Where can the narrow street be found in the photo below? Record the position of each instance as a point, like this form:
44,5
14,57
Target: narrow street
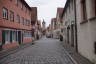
44,51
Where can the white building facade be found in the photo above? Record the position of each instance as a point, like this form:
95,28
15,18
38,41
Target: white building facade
86,24
68,19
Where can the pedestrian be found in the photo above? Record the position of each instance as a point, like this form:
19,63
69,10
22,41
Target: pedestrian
61,37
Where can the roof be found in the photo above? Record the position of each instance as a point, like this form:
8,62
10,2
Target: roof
23,1
65,7
60,11
53,19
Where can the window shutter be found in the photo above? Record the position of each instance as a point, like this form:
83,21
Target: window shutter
17,36
10,36
3,36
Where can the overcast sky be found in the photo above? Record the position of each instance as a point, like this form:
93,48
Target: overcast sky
46,8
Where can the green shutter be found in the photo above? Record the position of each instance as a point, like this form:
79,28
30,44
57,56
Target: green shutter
3,36
10,36
16,36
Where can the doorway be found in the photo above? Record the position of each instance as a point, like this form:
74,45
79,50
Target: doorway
72,35
68,34
19,37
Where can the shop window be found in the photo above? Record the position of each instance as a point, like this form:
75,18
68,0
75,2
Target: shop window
5,13
11,16
14,34
7,36
27,34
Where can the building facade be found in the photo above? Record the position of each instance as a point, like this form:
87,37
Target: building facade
53,23
81,14
54,28
34,21
15,23
58,18
86,24
68,18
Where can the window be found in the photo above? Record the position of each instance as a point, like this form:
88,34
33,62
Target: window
22,7
17,2
26,9
83,6
29,23
5,13
72,4
11,16
26,22
18,18
22,22
69,7
29,13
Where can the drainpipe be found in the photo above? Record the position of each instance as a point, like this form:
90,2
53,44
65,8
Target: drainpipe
75,26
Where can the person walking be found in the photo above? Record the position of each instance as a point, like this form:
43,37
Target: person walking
61,37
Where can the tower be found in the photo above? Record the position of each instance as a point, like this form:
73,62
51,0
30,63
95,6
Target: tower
43,24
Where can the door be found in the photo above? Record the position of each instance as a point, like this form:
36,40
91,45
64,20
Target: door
68,34
3,39
19,37
72,35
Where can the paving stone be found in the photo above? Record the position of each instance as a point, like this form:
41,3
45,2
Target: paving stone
44,51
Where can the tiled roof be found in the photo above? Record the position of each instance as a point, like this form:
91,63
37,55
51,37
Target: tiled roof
60,11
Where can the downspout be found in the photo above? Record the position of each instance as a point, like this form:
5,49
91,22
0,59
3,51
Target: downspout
75,26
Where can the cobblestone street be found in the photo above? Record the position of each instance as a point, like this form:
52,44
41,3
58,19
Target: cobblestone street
44,51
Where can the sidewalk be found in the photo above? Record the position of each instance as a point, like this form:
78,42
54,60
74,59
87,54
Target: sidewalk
76,57
5,53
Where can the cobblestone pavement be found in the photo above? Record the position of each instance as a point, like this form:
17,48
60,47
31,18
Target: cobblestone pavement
44,51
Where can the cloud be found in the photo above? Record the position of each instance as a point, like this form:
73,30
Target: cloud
46,8
38,2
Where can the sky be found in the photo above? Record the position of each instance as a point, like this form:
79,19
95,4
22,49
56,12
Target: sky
46,8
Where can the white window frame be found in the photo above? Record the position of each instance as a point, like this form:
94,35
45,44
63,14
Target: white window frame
5,13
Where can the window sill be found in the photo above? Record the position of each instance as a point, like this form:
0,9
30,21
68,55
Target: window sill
84,21
5,18
92,18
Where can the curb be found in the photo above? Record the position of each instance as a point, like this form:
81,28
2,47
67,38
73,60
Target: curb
74,61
